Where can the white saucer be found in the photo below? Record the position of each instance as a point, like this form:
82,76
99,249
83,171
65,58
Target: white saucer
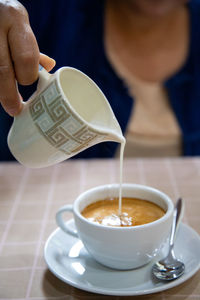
68,260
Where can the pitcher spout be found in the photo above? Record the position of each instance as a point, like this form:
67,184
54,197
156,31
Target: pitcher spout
115,137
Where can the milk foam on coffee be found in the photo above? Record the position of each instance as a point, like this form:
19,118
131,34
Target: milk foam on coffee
134,212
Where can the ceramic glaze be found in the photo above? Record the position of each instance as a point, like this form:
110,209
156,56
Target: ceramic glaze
67,114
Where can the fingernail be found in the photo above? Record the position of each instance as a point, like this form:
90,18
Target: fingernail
54,62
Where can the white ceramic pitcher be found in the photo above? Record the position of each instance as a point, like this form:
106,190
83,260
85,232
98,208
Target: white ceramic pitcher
67,114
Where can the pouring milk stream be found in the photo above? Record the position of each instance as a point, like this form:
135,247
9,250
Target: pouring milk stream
67,114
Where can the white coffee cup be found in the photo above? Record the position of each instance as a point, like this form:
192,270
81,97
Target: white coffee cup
120,247
67,114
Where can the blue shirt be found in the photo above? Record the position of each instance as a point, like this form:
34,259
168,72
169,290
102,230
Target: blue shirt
72,33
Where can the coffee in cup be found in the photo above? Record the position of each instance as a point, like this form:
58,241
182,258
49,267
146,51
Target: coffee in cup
120,247
134,212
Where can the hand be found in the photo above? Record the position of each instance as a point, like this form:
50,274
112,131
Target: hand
19,55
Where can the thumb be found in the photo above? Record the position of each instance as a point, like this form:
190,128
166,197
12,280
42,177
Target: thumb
47,62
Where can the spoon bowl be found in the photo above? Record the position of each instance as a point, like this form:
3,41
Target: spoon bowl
168,270
170,267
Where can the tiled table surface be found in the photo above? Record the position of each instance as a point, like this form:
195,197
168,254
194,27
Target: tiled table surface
30,198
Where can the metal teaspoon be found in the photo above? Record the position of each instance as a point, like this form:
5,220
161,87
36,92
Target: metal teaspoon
170,267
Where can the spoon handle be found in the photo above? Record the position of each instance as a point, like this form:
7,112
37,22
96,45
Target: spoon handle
176,217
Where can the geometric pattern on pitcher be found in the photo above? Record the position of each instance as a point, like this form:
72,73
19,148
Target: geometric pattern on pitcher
58,124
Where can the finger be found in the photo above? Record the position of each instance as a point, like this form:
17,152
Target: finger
47,62
24,52
9,96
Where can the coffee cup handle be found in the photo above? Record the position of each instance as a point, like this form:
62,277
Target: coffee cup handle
61,223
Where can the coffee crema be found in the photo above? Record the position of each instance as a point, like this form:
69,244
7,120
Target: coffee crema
133,212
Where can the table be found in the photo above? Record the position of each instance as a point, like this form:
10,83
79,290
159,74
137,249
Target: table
29,199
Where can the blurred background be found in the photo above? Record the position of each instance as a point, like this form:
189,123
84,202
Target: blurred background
144,56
